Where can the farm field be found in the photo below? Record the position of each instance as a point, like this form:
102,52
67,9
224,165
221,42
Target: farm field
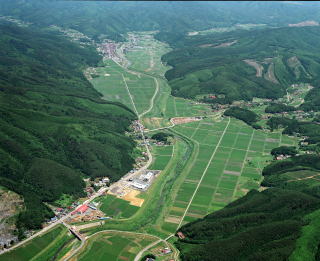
147,61
213,162
41,248
161,155
228,164
113,246
113,83
116,207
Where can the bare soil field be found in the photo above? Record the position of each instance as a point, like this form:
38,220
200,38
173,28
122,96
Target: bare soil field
133,199
182,120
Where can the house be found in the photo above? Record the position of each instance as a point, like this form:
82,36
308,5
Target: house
181,235
82,209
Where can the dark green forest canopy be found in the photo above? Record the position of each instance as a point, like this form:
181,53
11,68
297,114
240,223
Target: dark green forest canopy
261,225
53,123
114,18
279,107
200,68
245,115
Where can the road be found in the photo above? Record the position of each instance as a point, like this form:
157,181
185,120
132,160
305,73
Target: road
117,231
203,174
59,221
153,97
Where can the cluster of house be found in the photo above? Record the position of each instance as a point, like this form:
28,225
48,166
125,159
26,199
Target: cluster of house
101,182
74,35
108,49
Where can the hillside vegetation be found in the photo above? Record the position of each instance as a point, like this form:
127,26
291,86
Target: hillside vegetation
274,224
225,63
113,19
55,129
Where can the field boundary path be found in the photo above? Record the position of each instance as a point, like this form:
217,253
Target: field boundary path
74,252
204,173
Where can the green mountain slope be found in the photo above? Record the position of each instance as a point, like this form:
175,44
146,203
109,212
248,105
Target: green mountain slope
279,223
242,65
54,127
113,18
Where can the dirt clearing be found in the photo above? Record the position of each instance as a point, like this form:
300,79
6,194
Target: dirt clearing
182,120
133,199
257,66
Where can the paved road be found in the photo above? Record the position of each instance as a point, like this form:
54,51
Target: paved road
59,221
117,231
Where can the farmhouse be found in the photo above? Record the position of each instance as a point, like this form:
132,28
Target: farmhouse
82,209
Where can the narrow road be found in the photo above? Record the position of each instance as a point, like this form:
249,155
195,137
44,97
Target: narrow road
59,221
74,252
153,97
139,255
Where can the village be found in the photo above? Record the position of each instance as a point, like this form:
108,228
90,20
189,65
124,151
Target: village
137,180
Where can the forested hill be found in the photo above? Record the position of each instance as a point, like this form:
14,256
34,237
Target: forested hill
279,223
114,18
54,127
243,65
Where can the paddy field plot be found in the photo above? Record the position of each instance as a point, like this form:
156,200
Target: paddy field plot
113,246
41,248
113,82
161,156
228,164
146,56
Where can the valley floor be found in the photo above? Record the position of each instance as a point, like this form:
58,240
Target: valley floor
211,162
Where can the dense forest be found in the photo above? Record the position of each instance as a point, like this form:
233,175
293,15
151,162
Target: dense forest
225,64
279,223
245,115
112,19
279,107
55,128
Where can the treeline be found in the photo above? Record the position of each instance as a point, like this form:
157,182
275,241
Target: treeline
279,107
200,68
245,115
54,127
114,19
261,225
293,126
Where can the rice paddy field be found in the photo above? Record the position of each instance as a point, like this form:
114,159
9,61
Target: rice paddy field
114,83
41,248
162,156
228,163
147,61
211,163
113,246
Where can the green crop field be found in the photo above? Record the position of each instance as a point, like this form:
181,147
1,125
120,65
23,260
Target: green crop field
116,207
113,246
161,155
112,82
41,248
147,61
229,161
211,163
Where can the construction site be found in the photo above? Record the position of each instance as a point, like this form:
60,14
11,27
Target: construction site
134,181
